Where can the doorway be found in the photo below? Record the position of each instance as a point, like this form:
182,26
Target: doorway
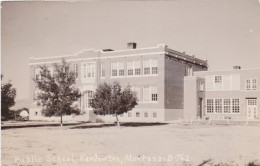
251,106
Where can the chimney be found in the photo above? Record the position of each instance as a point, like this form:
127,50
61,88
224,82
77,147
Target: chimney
236,67
131,45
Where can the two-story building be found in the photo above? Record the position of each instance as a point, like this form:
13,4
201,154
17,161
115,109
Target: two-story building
233,94
156,74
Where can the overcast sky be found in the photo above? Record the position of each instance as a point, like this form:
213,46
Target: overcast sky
224,32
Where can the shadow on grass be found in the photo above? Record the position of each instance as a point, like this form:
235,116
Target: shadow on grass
4,127
128,124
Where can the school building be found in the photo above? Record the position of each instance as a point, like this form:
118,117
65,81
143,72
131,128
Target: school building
155,73
233,94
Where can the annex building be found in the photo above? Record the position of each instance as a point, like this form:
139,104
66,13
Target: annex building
155,73
233,94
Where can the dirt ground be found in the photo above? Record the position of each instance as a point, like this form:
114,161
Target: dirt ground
143,145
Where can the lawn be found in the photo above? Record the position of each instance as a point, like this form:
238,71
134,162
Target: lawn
142,145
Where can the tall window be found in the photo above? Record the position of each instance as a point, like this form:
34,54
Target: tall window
150,66
150,93
137,90
117,69
146,93
102,69
210,105
235,105
89,98
154,93
114,69
130,68
121,68
227,105
154,66
37,73
251,84
218,105
146,67
76,71
89,70
137,67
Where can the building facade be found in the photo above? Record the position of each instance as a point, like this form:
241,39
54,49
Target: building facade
156,74
233,94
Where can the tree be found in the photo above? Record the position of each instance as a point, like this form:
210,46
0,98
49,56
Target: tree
57,92
8,94
112,100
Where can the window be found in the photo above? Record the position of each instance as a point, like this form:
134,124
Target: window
235,81
146,93
210,105
223,105
121,68
145,114
154,93
88,70
251,84
227,105
235,105
218,105
222,83
154,115
89,98
76,71
37,73
129,114
150,66
201,86
137,67
146,67
114,69
117,69
150,93
102,70
130,68
137,90
137,114
154,66
218,79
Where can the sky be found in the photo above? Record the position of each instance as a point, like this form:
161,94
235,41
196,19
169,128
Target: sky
224,32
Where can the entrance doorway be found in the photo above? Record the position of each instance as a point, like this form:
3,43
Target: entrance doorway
199,113
251,106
